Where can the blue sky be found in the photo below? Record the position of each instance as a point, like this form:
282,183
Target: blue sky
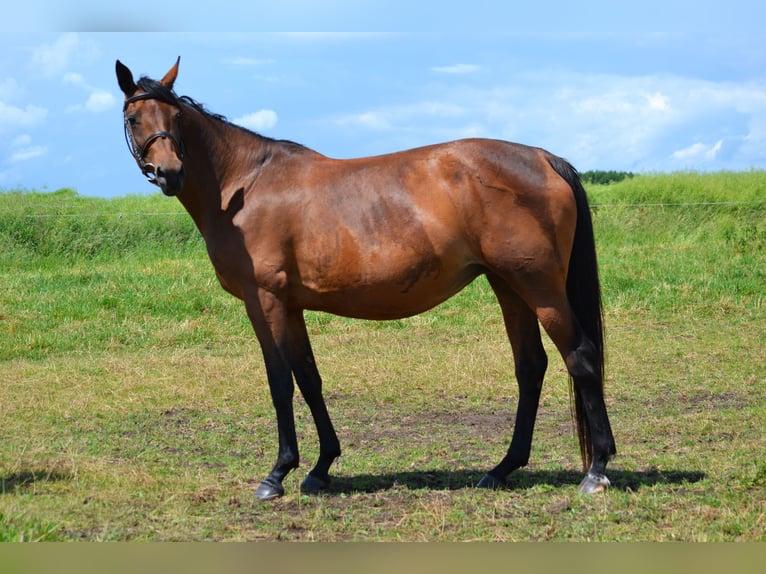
656,87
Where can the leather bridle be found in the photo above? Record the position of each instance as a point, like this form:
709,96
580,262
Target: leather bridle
139,152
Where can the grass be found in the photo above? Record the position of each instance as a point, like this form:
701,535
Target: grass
134,403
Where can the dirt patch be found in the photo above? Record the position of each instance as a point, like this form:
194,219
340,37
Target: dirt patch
707,401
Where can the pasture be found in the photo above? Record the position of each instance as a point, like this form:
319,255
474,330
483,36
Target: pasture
134,403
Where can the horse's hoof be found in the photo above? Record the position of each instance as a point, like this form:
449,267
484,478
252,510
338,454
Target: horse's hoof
269,490
313,484
492,483
593,483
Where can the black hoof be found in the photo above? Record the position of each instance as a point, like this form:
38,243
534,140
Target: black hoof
492,483
269,490
594,483
313,484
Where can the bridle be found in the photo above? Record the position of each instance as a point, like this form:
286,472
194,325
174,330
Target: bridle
139,152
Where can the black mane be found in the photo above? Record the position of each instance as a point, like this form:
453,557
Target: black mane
168,96
165,94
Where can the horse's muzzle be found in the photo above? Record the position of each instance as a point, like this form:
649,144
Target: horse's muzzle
170,180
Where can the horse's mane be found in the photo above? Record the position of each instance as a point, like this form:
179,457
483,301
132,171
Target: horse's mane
164,94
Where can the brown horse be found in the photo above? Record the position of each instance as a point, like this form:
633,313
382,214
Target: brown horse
288,229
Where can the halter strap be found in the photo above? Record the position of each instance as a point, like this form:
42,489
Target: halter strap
135,98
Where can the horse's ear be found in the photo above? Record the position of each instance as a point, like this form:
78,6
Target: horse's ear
125,79
169,79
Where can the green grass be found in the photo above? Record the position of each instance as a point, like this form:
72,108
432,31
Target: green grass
684,243
135,407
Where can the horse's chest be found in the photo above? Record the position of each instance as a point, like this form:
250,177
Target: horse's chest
240,267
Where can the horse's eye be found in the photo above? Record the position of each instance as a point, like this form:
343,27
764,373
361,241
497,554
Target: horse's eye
132,121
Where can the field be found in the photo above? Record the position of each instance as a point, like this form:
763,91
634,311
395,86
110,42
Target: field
134,404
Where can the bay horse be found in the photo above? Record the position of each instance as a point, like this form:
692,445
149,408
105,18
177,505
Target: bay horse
288,229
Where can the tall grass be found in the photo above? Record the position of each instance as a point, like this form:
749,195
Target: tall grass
683,242
36,227
87,274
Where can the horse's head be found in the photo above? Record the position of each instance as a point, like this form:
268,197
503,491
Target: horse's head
152,127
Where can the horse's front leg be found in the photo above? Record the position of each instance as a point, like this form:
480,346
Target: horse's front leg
269,319
310,383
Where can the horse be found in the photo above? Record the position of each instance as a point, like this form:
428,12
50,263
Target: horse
288,229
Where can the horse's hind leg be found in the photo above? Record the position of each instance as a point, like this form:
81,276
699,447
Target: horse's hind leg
530,365
597,441
583,362
310,384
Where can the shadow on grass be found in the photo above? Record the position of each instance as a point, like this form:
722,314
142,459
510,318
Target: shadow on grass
19,480
518,480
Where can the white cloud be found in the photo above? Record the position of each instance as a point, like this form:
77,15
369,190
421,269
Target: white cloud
99,101
658,102
370,120
402,117
693,150
698,151
27,153
713,151
21,140
457,69
637,123
607,103
365,120
261,120
55,58
13,116
655,135
74,79
23,150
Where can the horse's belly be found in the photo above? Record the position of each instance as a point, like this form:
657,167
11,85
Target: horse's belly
377,296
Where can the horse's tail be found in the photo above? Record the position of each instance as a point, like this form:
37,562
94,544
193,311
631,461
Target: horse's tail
584,294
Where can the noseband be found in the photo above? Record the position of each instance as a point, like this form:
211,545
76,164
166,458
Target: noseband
139,152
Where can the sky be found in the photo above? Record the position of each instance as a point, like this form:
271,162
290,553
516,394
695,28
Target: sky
658,87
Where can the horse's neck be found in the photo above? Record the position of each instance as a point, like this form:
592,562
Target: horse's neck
220,155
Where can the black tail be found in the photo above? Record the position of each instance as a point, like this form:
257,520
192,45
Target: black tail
584,293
